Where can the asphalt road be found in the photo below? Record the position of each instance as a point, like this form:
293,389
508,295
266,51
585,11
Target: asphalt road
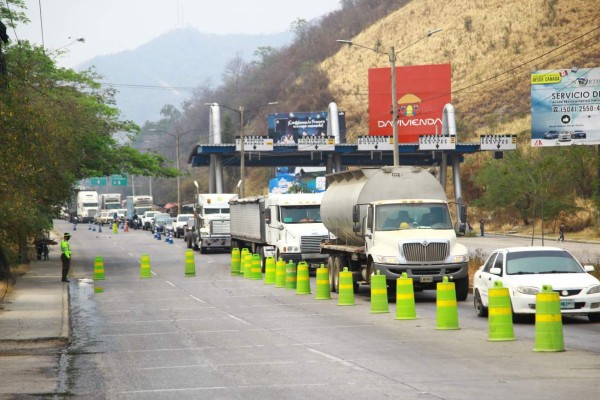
215,336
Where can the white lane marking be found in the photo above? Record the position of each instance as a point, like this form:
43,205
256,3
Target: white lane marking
241,346
218,365
292,385
170,283
336,359
197,299
239,319
167,333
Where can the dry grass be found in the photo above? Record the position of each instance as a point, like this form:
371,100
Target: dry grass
488,40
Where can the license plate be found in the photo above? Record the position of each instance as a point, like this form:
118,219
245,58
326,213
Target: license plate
567,304
426,279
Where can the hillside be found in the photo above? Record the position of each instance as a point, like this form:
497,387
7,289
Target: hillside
166,69
492,46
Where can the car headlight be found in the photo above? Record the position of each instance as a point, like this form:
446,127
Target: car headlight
460,259
386,259
528,290
594,289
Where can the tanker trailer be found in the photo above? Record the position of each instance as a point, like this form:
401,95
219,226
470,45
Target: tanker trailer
395,220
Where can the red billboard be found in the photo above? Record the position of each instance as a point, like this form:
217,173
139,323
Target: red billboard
422,92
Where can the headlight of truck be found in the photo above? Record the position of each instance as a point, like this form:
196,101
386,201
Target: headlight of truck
386,259
528,290
594,289
461,258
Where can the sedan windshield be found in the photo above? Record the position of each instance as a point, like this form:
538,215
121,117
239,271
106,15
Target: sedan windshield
541,262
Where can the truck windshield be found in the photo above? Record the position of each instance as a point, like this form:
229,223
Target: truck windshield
112,206
392,217
300,214
90,205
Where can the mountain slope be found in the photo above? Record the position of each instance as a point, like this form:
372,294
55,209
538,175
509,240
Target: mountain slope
168,68
492,46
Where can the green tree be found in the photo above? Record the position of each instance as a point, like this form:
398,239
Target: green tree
536,184
57,127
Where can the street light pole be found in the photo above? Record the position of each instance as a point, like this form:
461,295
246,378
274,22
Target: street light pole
241,110
392,57
242,153
395,152
176,136
178,173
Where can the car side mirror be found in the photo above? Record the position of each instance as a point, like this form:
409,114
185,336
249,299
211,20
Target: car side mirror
496,271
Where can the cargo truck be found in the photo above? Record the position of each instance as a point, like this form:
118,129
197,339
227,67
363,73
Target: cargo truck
84,205
137,205
286,226
211,222
395,220
110,201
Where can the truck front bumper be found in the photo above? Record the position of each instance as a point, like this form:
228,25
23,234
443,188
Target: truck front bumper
425,276
215,242
312,259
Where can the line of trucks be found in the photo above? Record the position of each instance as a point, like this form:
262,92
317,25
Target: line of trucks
87,205
391,219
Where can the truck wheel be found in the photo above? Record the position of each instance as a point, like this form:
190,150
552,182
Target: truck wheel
462,289
330,268
202,250
337,267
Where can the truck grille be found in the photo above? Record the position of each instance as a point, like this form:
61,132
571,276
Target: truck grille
220,227
311,244
425,251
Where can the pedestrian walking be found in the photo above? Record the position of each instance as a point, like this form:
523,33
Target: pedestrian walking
482,226
561,233
65,257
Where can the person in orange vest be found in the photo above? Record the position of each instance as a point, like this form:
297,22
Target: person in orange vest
65,256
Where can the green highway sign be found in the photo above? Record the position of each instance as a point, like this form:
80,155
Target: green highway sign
98,181
118,180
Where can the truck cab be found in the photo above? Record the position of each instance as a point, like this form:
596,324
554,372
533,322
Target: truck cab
415,237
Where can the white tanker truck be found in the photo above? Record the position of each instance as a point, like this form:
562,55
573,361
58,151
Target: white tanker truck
395,220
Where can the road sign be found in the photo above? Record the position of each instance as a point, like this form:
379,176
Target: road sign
118,180
437,142
98,181
498,142
255,143
316,143
375,143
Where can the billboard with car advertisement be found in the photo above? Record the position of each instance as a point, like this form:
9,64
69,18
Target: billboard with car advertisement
287,128
422,93
565,107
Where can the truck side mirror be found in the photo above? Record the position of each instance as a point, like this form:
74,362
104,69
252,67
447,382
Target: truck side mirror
268,216
356,214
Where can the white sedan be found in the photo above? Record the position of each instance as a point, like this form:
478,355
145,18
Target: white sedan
523,270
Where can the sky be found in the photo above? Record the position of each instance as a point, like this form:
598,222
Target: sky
110,26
